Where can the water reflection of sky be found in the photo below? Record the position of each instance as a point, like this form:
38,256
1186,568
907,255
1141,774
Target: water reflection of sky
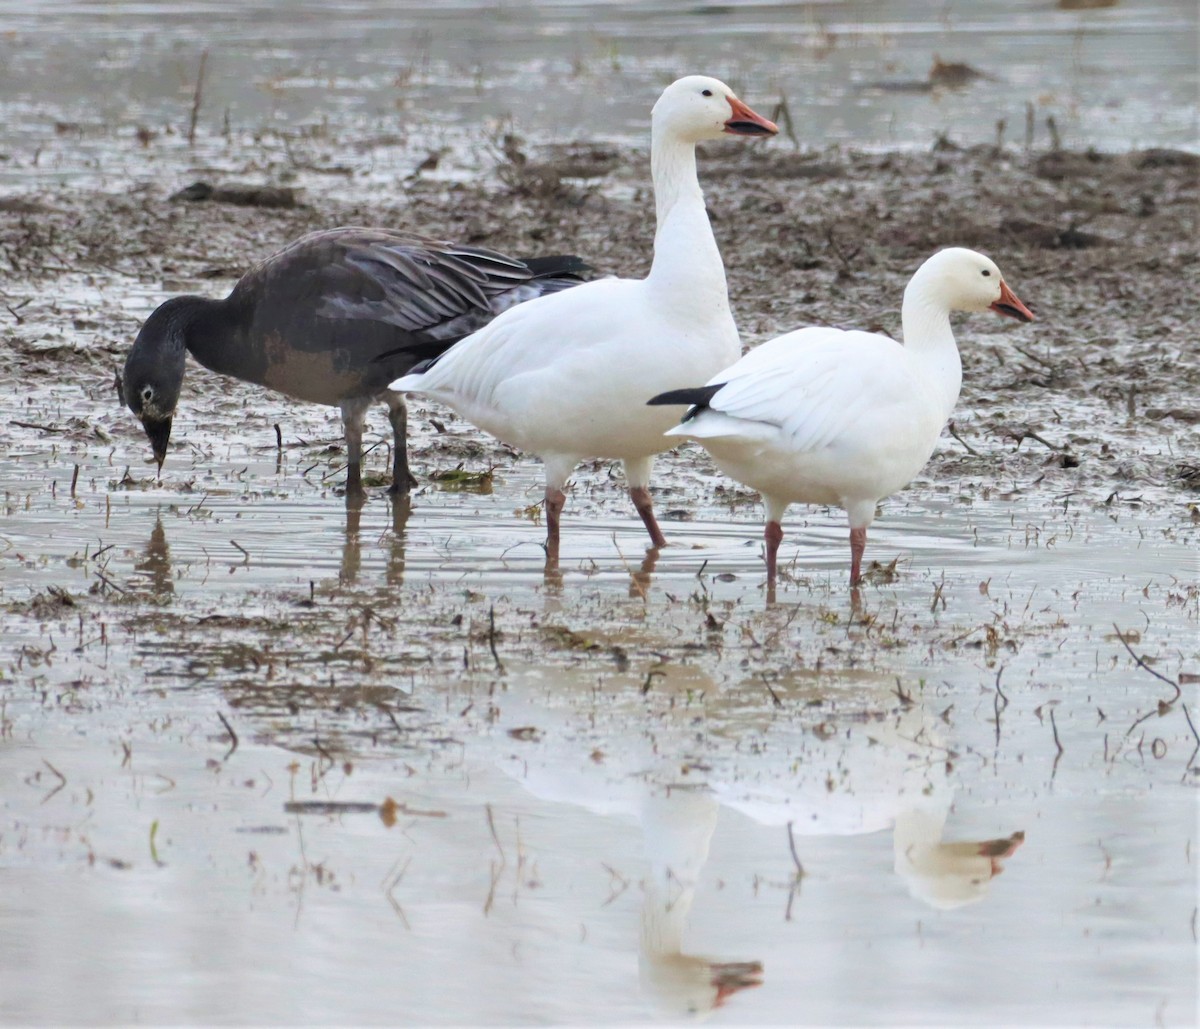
1112,77
575,846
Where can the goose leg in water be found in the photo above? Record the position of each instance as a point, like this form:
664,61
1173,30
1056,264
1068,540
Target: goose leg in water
556,500
353,421
773,535
402,479
858,543
645,507
558,470
637,476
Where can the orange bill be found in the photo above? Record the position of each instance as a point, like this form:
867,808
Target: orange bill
1010,305
745,122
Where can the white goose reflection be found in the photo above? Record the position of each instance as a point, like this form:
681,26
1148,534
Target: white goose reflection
866,774
677,828
946,875
873,769
677,821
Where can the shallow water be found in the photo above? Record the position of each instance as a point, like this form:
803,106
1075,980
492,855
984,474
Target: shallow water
592,771
596,832
77,78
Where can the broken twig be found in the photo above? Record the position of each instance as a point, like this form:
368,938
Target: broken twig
197,99
954,432
1142,664
232,735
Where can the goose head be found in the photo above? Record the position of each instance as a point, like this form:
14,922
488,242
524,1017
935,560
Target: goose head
946,875
963,280
151,381
696,108
677,828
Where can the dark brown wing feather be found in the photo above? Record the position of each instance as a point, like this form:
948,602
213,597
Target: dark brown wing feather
344,311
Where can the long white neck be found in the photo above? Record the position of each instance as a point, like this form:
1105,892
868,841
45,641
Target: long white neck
677,831
929,338
685,252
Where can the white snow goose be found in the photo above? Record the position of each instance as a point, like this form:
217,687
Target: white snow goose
829,416
565,377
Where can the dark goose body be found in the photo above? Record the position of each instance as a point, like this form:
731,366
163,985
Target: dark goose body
332,319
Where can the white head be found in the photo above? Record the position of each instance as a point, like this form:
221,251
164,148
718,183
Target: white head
948,875
697,107
958,279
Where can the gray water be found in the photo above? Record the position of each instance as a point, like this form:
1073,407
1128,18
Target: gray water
590,825
442,74
572,846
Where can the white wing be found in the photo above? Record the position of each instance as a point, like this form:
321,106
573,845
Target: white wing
555,330
570,373
810,386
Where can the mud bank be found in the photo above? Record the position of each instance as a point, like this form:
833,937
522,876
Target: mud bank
1099,395
577,785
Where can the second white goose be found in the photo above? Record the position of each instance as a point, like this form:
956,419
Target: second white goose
828,416
566,377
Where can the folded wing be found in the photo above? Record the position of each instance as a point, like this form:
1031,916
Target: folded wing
430,291
806,388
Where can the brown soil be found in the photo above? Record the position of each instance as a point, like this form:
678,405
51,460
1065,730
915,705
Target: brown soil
1099,396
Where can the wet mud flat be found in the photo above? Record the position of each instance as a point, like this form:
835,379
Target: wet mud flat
361,749
1101,245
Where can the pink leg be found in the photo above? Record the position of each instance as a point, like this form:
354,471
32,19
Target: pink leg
858,543
640,580
773,534
556,499
645,507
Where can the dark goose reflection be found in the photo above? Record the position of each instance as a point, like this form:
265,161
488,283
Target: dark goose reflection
352,548
155,563
400,510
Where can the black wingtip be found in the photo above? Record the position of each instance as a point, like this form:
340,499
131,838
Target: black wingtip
423,366
557,266
698,397
424,352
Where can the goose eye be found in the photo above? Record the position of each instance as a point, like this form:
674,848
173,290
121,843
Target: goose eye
985,272
706,92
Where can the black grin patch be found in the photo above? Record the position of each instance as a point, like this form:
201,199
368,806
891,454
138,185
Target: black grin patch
1009,311
747,128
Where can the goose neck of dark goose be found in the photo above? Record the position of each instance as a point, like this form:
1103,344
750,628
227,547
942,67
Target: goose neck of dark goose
198,325
208,326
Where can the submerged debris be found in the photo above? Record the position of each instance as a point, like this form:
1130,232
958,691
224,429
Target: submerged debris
462,480
239,196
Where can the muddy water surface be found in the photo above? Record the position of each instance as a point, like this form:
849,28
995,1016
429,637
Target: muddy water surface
433,74
590,822
267,759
